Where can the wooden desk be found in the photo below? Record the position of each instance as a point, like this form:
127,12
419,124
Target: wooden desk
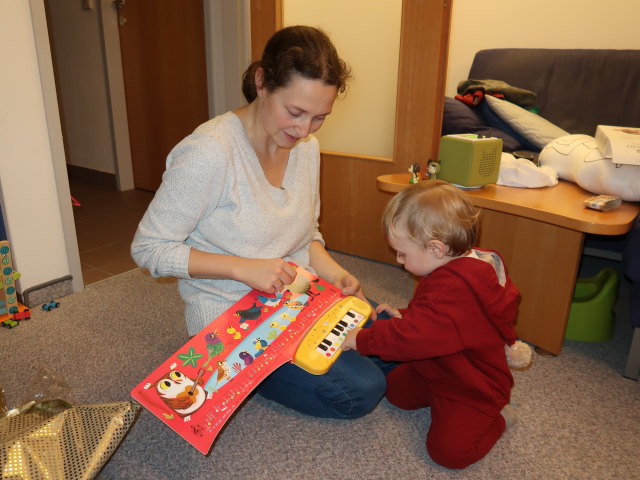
540,233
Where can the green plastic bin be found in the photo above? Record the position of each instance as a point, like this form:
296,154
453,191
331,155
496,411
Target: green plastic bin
592,318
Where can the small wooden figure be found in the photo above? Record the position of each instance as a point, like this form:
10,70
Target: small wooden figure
415,173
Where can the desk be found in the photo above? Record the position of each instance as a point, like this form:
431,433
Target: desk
540,233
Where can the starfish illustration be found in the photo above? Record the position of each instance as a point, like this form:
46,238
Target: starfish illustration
191,357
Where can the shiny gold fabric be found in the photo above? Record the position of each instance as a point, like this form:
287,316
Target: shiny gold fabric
54,440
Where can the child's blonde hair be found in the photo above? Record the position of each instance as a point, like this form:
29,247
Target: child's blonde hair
433,210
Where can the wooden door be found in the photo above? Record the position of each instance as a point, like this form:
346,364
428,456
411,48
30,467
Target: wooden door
165,75
352,206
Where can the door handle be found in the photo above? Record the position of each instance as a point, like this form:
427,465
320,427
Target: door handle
120,3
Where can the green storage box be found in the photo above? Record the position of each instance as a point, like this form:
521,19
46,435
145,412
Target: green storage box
592,318
470,160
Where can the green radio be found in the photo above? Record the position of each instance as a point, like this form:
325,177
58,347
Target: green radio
469,160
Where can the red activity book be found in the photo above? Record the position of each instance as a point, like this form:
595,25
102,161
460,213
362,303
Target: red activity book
196,389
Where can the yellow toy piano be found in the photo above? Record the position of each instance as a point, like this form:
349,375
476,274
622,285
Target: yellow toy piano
321,345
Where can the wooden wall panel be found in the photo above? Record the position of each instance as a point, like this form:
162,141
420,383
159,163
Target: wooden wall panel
266,18
351,204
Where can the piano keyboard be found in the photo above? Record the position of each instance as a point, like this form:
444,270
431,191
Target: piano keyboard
321,345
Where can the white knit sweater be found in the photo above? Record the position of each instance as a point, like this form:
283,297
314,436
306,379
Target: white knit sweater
214,197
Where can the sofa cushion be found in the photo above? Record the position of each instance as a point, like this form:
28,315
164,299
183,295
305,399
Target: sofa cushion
531,126
460,118
495,121
577,89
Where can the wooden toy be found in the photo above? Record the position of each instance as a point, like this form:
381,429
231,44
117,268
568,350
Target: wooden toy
8,295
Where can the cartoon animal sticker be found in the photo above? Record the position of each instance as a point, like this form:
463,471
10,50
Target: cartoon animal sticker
256,343
251,313
182,394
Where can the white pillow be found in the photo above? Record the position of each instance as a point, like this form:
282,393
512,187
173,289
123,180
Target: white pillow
577,158
530,125
566,154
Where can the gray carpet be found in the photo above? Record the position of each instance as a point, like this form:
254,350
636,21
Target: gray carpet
578,417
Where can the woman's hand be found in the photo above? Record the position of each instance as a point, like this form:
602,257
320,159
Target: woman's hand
266,275
388,309
350,285
326,267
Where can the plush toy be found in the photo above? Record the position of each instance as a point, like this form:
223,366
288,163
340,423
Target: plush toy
518,355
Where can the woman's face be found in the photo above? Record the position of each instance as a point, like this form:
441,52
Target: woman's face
293,112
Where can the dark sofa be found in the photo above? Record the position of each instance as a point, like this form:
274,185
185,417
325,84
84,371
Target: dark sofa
578,89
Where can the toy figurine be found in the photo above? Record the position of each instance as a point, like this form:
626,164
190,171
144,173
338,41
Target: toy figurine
415,173
433,168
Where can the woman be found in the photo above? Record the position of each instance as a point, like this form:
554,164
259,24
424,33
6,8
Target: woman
240,199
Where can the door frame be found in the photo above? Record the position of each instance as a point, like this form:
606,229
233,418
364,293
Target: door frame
232,32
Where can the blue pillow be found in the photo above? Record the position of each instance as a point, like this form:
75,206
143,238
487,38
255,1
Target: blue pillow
460,118
492,119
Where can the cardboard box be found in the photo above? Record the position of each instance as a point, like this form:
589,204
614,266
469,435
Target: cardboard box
620,144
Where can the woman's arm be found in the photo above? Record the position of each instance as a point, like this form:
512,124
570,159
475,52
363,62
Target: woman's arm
267,275
330,270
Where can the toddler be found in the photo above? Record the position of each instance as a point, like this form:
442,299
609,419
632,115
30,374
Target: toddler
450,340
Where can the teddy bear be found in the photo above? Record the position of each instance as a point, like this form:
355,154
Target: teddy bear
519,355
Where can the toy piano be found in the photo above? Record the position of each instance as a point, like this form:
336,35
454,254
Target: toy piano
321,346
196,390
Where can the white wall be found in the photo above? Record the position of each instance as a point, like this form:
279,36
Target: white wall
84,101
367,36
540,24
33,217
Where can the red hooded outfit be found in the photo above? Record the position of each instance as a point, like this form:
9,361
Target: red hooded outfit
451,341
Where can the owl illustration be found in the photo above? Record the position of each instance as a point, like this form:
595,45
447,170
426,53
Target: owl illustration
180,393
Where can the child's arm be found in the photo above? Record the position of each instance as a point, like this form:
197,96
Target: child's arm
349,342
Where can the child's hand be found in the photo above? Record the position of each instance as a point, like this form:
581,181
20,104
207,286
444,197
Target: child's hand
388,309
350,340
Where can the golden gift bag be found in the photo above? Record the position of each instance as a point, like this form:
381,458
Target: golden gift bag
54,440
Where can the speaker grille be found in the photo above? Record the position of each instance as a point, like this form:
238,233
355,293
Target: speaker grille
487,164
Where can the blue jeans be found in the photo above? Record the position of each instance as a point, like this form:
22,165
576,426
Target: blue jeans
351,388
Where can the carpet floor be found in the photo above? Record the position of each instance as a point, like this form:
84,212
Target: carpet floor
578,417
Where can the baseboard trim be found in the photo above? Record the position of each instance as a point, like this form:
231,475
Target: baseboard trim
47,291
94,177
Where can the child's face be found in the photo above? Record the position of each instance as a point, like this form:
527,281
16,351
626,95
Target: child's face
417,259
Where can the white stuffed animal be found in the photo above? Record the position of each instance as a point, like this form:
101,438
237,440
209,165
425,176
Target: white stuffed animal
578,159
519,355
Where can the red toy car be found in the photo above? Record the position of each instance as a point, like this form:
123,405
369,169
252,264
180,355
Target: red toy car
23,315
